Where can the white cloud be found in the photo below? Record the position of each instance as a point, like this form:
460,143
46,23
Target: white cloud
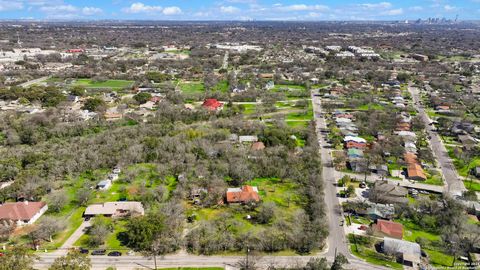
172,10
449,8
393,12
59,9
91,11
142,8
302,7
381,5
229,9
416,8
6,5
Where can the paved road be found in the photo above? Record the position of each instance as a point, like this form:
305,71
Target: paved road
139,262
225,60
454,186
32,82
336,239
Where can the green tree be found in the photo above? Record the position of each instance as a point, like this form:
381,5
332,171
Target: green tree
93,104
74,260
17,259
339,262
142,97
78,90
141,232
317,264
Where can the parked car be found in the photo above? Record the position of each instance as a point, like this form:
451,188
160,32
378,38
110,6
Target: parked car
115,254
99,252
83,250
362,185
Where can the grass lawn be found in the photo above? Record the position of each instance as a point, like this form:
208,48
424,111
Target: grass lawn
114,84
360,220
192,87
221,86
249,109
472,185
438,258
411,232
298,123
369,254
434,180
370,106
287,87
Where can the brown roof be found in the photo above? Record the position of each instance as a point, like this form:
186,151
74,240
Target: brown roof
403,127
389,228
415,171
357,145
258,146
410,158
243,195
20,210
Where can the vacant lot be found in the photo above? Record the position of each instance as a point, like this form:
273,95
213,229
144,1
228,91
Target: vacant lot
113,84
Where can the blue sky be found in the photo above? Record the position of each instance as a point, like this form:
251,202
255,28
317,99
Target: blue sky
313,10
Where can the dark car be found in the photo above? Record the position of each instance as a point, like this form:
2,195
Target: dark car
83,250
115,254
99,252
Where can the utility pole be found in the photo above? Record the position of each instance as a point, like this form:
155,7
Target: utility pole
247,266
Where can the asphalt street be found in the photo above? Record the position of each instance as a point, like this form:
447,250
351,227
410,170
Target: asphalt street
454,185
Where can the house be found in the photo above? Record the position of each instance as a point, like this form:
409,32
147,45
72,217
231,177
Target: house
381,211
467,141
410,147
387,228
384,192
73,98
415,172
407,253
354,153
212,104
414,169
270,85
22,213
247,139
109,116
257,146
476,171
354,139
352,144
239,89
244,194
114,209
104,184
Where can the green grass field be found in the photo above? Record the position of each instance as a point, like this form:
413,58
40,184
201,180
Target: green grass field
192,87
472,185
438,258
113,84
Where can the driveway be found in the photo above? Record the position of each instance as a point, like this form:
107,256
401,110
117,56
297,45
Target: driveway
73,238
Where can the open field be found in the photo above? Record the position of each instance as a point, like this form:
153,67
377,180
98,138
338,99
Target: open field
113,84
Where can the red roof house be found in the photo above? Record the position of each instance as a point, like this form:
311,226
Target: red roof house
212,104
244,194
155,99
22,212
388,228
357,145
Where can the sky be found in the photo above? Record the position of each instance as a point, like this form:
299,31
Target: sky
291,10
